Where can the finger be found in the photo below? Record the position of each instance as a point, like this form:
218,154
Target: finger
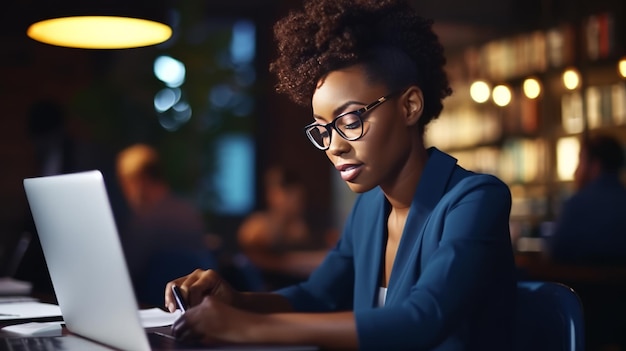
170,302
204,284
169,299
182,283
180,327
184,329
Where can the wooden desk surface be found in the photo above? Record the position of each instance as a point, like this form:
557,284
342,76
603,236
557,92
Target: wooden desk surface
533,266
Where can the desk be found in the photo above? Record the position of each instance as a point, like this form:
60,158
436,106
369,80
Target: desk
533,266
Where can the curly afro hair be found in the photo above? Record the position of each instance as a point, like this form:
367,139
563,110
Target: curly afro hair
396,46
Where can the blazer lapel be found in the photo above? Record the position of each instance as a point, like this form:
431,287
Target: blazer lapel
431,188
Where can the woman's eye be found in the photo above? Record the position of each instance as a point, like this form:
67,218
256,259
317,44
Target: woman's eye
353,125
349,121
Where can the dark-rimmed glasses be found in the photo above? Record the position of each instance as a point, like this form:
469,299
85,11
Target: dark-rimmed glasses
349,125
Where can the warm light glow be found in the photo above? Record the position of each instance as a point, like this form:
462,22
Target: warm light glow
532,88
501,95
567,150
479,91
622,67
99,32
571,79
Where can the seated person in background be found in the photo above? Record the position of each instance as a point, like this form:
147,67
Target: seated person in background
591,228
281,240
161,223
425,260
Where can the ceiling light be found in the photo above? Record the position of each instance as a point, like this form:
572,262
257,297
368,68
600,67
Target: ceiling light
119,26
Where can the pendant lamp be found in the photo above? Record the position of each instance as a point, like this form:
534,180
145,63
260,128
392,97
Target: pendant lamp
91,24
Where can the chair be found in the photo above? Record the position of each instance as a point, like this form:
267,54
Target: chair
549,316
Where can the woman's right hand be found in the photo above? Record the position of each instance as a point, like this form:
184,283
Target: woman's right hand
197,285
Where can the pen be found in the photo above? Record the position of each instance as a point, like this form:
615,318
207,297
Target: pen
179,298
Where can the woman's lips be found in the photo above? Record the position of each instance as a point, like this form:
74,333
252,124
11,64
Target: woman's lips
349,172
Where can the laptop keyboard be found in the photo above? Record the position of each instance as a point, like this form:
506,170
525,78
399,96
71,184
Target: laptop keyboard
30,344
49,343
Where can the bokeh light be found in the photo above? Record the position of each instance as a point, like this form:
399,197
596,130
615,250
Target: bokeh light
479,91
571,79
501,95
532,88
170,71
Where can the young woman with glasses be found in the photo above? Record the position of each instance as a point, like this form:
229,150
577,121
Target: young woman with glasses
425,259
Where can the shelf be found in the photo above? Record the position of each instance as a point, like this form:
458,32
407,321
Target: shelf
533,144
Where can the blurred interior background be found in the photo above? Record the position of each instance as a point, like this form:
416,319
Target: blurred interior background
205,99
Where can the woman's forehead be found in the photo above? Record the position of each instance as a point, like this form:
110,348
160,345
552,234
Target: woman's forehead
349,83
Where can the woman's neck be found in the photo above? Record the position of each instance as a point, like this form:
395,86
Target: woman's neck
400,191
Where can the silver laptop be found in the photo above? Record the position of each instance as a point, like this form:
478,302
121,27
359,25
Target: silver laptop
85,259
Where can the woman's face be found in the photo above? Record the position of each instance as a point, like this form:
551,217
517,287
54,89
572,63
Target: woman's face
379,155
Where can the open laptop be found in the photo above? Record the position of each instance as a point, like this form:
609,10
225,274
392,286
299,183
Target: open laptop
85,259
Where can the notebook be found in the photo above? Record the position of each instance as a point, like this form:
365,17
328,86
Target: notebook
85,259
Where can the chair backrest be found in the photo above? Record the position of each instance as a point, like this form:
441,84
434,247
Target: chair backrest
549,316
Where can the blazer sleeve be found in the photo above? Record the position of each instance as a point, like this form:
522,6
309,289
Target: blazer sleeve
471,259
330,287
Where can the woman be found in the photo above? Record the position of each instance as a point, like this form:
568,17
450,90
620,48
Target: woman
425,260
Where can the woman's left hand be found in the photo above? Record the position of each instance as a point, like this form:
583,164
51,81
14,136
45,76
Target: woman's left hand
214,322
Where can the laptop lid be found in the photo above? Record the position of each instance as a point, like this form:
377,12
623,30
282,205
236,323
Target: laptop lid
85,259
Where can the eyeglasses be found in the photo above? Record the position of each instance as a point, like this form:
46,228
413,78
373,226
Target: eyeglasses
348,125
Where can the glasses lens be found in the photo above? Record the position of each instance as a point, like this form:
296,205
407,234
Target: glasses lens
319,136
350,125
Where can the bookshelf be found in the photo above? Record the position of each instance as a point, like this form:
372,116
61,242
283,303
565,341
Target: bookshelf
532,143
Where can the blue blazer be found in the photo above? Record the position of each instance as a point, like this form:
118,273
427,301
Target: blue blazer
452,286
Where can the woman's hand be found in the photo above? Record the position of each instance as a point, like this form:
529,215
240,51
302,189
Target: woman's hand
199,284
213,321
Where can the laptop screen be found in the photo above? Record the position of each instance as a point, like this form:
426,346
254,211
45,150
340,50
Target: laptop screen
84,255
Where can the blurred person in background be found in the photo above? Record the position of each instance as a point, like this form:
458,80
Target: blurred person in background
591,226
591,231
282,240
165,232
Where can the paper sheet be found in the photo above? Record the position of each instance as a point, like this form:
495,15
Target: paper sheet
156,317
152,317
22,310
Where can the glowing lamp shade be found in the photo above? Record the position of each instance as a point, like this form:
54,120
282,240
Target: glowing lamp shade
99,32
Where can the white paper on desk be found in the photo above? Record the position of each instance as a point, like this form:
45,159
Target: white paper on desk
156,317
20,310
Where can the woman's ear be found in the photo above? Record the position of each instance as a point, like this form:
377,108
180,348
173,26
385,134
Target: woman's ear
413,104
